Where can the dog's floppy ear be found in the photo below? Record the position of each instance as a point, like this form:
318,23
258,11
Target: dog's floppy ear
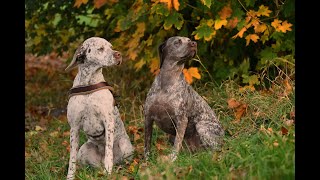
78,58
160,51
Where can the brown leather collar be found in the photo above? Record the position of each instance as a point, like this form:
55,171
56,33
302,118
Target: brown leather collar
81,90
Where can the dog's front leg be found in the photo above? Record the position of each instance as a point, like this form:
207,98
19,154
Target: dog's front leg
148,122
108,158
74,145
182,122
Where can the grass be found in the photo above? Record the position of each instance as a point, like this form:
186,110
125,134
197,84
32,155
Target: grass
260,146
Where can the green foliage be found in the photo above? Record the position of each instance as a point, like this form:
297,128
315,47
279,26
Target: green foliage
228,32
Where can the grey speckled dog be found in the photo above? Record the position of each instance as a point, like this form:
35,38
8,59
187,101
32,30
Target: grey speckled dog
175,107
95,113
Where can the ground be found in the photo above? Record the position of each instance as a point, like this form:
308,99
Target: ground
259,126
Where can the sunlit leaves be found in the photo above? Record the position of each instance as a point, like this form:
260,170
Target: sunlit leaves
171,3
225,12
281,26
190,73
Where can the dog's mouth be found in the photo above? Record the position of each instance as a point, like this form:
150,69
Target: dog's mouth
191,54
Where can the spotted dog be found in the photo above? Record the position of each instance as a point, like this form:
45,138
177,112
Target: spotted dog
176,107
95,113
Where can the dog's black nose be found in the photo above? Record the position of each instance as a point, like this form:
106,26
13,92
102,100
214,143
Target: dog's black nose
193,44
117,55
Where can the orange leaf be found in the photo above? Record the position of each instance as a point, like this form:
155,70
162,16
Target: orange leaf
187,76
170,3
79,2
260,28
233,103
194,72
99,3
232,23
225,12
276,23
240,33
252,37
285,26
240,111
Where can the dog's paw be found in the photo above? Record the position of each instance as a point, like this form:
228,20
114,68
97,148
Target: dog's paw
173,156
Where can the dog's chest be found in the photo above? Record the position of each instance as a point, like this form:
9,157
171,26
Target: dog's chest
91,111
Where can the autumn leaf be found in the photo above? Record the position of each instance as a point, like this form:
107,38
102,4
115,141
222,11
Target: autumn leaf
154,66
204,31
79,2
247,88
233,103
232,23
225,12
139,64
99,3
190,73
276,23
170,3
240,33
206,3
260,28
219,23
252,37
263,11
285,26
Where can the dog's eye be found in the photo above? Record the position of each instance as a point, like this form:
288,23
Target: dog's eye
101,49
178,42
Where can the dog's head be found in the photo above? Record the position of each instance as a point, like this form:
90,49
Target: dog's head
178,49
95,51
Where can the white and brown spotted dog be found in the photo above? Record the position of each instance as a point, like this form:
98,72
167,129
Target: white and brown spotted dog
95,113
175,106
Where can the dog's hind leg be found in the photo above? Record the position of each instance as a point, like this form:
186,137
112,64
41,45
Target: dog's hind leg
148,122
210,133
91,154
122,150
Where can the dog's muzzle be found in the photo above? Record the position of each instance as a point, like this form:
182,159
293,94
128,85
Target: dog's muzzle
118,57
193,48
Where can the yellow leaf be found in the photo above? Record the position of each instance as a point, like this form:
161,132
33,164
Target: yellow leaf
38,128
196,37
276,23
79,2
139,64
154,65
168,2
260,28
210,22
54,134
240,33
285,26
225,12
263,11
252,37
219,23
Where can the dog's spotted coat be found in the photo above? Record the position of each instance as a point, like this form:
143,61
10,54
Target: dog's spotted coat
94,113
175,106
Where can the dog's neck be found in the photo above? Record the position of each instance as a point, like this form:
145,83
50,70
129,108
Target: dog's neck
88,76
170,74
